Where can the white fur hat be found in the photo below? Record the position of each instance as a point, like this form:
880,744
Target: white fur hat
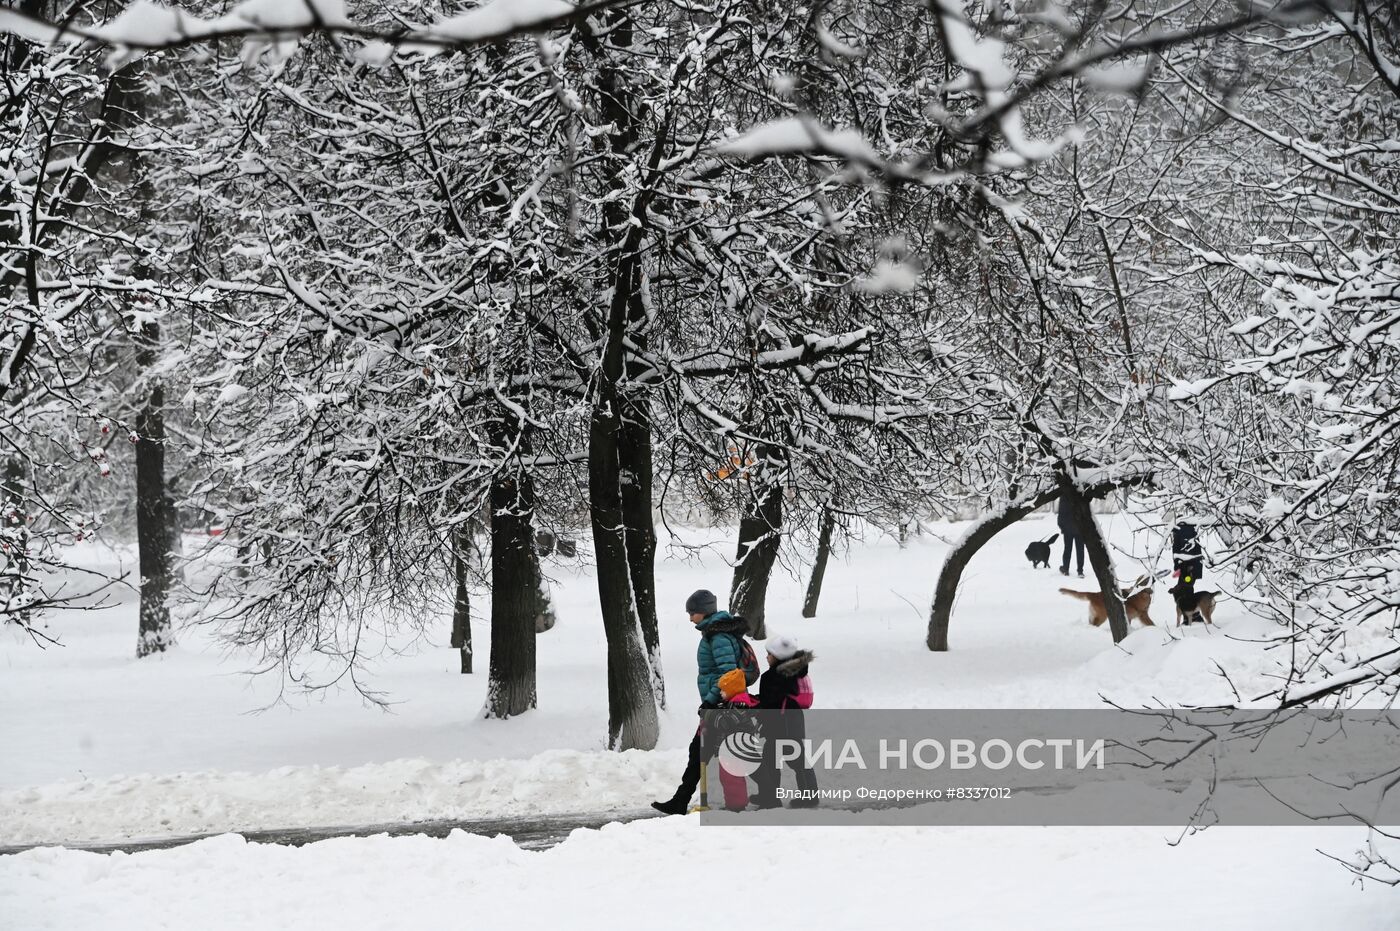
782,647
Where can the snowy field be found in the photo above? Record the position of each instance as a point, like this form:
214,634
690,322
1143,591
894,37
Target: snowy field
99,746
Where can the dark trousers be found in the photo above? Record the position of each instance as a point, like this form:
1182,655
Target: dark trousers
790,726
1077,542
691,777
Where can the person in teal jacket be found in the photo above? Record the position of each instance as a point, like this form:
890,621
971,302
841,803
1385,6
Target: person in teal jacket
721,646
721,649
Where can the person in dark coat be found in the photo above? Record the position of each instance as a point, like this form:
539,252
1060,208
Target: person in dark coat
1187,560
721,649
1069,527
784,692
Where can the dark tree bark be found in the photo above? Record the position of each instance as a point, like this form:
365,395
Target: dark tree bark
978,535
514,595
760,535
635,462
632,721
461,599
15,574
153,506
631,704
1100,559
814,584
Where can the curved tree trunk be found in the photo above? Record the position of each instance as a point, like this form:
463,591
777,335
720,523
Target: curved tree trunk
760,534
977,536
989,526
814,585
1100,559
514,595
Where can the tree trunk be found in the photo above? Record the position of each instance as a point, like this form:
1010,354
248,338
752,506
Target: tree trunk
632,721
153,510
514,595
635,463
461,600
814,585
976,537
760,534
1100,559
16,578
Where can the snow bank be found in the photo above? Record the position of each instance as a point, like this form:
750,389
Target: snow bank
554,782
652,874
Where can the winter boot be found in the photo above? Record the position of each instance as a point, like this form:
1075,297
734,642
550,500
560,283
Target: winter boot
675,805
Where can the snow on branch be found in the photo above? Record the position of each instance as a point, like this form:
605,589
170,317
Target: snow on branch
811,349
801,135
146,26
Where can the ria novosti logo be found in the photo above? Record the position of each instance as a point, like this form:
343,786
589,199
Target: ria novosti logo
741,753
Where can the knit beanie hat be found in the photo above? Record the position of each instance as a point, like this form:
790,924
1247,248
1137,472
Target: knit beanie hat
782,647
732,683
702,602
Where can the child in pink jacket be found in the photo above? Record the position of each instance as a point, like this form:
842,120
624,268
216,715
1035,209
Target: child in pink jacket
736,739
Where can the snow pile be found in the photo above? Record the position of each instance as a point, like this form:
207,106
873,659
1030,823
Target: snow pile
946,877
554,782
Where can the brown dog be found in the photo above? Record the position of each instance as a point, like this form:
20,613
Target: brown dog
1192,605
1135,601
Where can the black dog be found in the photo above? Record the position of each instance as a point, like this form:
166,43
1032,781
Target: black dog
1039,552
1192,605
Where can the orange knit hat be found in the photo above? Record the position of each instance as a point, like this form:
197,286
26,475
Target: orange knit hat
732,683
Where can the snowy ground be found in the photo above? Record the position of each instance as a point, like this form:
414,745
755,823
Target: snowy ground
674,874
99,746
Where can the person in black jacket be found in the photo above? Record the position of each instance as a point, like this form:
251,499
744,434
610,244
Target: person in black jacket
783,692
1070,528
1187,560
